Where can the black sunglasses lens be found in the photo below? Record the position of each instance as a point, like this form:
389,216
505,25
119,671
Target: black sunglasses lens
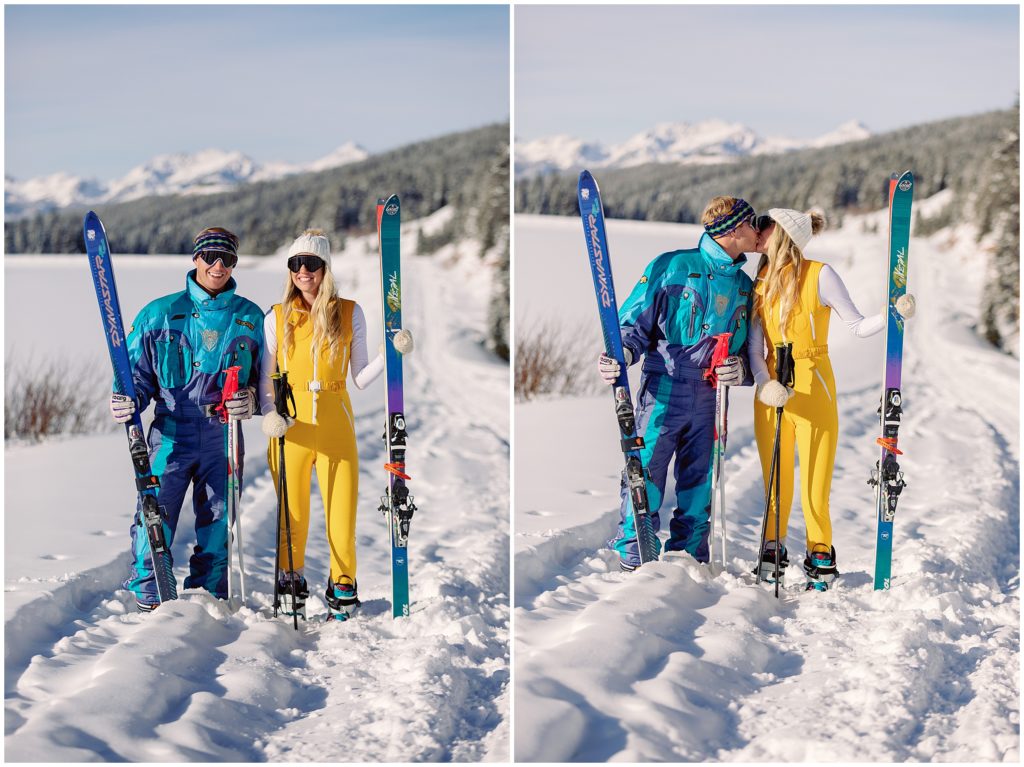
762,222
312,263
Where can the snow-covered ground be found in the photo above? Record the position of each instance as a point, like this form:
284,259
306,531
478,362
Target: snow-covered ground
88,678
682,662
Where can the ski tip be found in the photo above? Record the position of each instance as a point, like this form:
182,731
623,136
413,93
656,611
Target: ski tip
586,190
392,206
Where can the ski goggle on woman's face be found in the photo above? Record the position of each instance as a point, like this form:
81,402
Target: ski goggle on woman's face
312,263
213,256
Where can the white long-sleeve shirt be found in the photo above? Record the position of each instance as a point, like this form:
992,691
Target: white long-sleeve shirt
363,370
832,292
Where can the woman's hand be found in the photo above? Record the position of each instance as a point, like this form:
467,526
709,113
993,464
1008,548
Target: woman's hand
774,394
906,305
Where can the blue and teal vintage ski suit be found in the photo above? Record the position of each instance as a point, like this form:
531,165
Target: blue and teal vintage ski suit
683,300
179,346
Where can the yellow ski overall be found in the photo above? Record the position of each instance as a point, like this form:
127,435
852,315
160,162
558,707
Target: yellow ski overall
810,421
323,436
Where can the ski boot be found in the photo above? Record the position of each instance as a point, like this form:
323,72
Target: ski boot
291,605
626,567
146,607
821,570
341,598
766,566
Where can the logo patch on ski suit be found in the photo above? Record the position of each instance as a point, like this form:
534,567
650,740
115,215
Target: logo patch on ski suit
210,339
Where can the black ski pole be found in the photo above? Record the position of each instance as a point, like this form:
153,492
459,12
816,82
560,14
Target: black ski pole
784,375
282,397
288,532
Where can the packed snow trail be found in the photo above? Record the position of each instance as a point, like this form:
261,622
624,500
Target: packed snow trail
88,678
682,662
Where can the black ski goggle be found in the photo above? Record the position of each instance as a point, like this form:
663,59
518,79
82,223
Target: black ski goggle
312,263
762,222
213,256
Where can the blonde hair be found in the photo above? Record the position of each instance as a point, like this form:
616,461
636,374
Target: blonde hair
325,312
718,206
779,271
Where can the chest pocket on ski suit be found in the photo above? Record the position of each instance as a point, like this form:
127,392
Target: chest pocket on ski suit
239,352
173,358
687,301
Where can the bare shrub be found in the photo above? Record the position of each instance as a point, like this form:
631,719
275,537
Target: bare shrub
48,398
554,358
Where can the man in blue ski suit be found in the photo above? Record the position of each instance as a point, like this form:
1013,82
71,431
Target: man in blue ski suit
683,300
179,347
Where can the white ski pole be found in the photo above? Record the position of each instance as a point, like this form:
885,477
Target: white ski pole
715,522
235,499
723,420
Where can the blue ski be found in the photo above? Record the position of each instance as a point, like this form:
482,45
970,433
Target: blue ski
397,505
887,477
113,329
592,211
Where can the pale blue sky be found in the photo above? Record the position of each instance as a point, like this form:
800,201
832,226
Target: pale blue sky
794,71
96,90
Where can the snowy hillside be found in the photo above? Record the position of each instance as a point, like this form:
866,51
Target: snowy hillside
88,678
684,662
710,141
204,172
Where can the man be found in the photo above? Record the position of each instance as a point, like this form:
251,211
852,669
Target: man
683,300
179,347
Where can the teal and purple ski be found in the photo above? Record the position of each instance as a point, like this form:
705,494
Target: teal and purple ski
887,477
397,505
592,211
147,484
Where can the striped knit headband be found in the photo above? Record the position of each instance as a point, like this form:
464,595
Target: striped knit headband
217,241
740,212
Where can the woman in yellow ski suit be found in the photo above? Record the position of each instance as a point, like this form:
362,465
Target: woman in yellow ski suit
318,338
793,302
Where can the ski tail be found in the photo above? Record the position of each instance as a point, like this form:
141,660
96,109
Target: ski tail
148,485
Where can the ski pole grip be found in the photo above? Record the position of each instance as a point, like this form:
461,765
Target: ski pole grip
283,395
718,356
228,391
784,363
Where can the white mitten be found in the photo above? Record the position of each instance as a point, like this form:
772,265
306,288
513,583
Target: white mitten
906,305
774,394
403,341
275,425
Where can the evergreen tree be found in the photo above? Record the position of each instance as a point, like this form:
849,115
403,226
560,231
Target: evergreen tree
998,208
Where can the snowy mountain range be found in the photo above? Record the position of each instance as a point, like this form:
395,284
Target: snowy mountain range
204,172
707,142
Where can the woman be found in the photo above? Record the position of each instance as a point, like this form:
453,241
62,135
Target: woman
317,337
794,298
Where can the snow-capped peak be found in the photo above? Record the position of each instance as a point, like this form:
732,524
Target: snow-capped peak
708,141
203,172
344,154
